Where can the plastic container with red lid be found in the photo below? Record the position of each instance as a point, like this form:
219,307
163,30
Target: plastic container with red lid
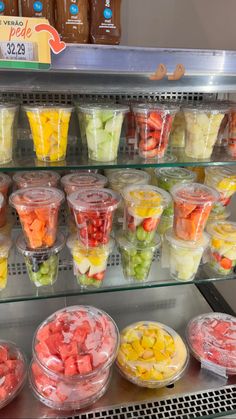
36,178
82,180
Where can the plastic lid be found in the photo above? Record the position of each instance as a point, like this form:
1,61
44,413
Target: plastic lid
45,106
75,246
212,340
130,176
223,230
203,242
195,193
162,107
220,171
96,107
36,197
87,332
83,180
127,245
5,181
37,178
146,196
208,107
56,248
97,200
176,174
151,354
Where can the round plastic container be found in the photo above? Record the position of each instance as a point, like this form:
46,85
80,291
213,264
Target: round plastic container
38,212
222,256
192,206
211,338
90,264
185,257
75,181
42,265
49,127
13,372
137,258
93,212
203,122
35,179
144,206
103,124
87,341
168,177
151,355
8,118
153,124
122,178
177,135
223,179
5,246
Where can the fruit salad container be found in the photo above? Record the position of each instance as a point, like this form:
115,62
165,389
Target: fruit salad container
76,181
5,246
153,124
211,339
94,212
103,124
38,178
137,258
8,116
203,122
90,264
192,206
144,206
177,135
184,257
42,265
87,341
13,372
232,132
38,212
5,182
49,128
151,355
222,255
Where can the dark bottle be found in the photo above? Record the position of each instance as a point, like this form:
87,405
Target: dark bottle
105,22
72,20
9,8
42,8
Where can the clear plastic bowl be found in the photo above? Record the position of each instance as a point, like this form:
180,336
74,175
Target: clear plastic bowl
5,246
168,177
151,355
223,179
42,265
75,181
211,339
38,212
36,178
8,117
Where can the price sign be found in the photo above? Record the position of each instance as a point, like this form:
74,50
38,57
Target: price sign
15,50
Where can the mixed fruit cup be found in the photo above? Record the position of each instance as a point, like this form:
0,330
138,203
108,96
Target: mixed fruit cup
223,179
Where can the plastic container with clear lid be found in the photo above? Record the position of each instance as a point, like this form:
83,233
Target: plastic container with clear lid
168,177
82,180
136,258
5,246
94,212
8,117
49,125
120,179
192,206
103,124
223,179
36,178
211,338
153,125
151,355
38,212
144,206
42,264
222,255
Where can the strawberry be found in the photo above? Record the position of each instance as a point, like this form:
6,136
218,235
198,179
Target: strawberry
149,144
151,154
226,263
155,121
216,256
98,277
150,224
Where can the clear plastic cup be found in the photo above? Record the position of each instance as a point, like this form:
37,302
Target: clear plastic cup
136,258
203,122
232,132
211,338
185,257
13,372
94,212
192,206
103,124
42,265
144,206
223,179
153,124
38,212
8,117
49,125
168,177
151,355
222,255
177,135
36,178
90,264
5,182
5,246
76,181
121,178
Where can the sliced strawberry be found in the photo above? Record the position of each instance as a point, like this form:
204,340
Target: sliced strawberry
155,121
216,256
150,224
149,144
98,277
226,263
152,153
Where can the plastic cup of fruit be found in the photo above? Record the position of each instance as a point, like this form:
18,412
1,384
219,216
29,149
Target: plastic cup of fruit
103,124
151,355
184,256
193,203
87,340
5,246
153,124
203,122
13,372
136,257
144,206
211,340
215,217
38,212
8,116
223,179
90,264
49,125
36,178
76,181
177,135
42,264
222,255
5,182
94,212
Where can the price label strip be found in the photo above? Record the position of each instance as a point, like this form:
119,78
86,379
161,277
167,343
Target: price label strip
22,51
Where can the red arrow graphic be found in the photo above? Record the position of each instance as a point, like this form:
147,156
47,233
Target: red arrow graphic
55,43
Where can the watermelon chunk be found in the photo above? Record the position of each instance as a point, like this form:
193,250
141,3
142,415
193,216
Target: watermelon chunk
3,393
70,367
10,382
43,333
3,354
54,342
84,364
68,350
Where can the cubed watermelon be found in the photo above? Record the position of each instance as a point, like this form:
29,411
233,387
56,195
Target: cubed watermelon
12,365
55,364
68,350
10,382
54,342
43,333
3,393
84,364
70,367
42,350
3,354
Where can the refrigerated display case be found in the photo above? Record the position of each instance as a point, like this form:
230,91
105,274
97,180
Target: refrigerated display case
85,73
